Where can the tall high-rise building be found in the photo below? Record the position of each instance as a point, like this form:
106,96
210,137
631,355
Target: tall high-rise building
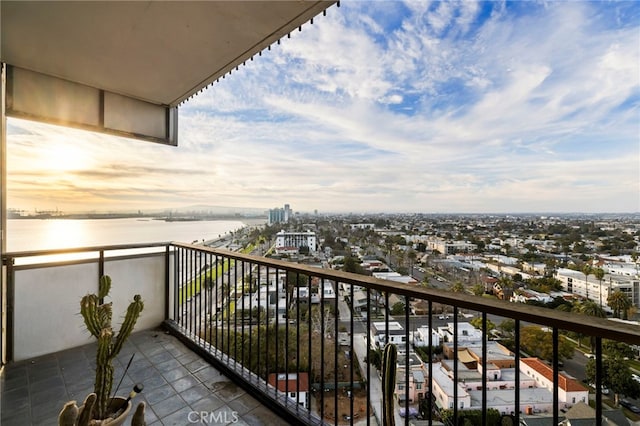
287,212
280,215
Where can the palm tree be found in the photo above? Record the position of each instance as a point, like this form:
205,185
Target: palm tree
591,308
586,270
620,303
411,255
599,273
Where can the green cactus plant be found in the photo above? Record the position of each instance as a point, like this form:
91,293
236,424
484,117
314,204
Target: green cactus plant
389,362
97,318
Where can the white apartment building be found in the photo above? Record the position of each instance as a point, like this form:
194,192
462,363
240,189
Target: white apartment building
362,226
378,333
450,247
296,239
466,333
590,287
421,337
536,395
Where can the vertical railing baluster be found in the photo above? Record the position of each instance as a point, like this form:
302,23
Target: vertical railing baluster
430,387
235,312
555,377
484,368
187,291
351,351
267,320
321,337
368,355
242,320
599,371
209,297
298,372
277,337
517,376
198,293
227,306
309,338
251,327
406,360
336,350
258,336
386,318
455,365
286,336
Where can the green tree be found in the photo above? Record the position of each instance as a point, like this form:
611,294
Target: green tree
617,349
412,256
538,342
591,308
352,265
586,270
457,287
477,289
477,323
471,417
620,304
599,273
508,326
616,375
397,308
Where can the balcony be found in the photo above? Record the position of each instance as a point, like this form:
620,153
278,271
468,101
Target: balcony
302,363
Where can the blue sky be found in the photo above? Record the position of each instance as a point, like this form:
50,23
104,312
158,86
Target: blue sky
385,107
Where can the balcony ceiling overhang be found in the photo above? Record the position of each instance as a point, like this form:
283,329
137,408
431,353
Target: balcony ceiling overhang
94,64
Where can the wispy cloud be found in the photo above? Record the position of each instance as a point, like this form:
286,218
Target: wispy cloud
391,106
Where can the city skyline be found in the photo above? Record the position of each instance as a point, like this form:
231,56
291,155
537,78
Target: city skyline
384,107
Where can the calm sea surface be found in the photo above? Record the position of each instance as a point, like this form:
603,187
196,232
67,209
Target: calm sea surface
46,234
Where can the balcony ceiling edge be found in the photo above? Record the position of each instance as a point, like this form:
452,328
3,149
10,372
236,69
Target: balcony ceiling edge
131,64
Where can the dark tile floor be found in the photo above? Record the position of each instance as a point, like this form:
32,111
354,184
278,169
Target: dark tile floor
178,386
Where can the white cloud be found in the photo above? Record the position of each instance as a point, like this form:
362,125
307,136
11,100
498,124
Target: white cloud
367,109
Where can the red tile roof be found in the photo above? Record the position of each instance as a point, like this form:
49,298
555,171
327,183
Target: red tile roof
282,382
565,383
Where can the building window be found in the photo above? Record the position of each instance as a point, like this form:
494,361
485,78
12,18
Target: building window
418,385
293,394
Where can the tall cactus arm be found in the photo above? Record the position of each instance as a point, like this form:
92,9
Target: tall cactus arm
104,372
133,312
389,361
104,313
89,311
104,287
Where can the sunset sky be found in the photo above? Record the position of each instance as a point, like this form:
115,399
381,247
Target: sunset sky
384,107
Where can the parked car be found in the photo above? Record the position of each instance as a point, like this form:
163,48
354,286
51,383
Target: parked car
629,406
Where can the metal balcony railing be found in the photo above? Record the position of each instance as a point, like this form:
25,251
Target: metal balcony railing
305,340
258,320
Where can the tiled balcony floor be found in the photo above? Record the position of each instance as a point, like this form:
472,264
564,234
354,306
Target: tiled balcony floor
176,382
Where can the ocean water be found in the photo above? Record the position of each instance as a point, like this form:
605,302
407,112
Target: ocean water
48,234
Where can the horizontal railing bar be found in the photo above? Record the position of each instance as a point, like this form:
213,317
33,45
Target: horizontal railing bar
54,264
35,253
593,326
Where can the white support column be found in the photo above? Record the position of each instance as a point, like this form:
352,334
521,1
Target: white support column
3,214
